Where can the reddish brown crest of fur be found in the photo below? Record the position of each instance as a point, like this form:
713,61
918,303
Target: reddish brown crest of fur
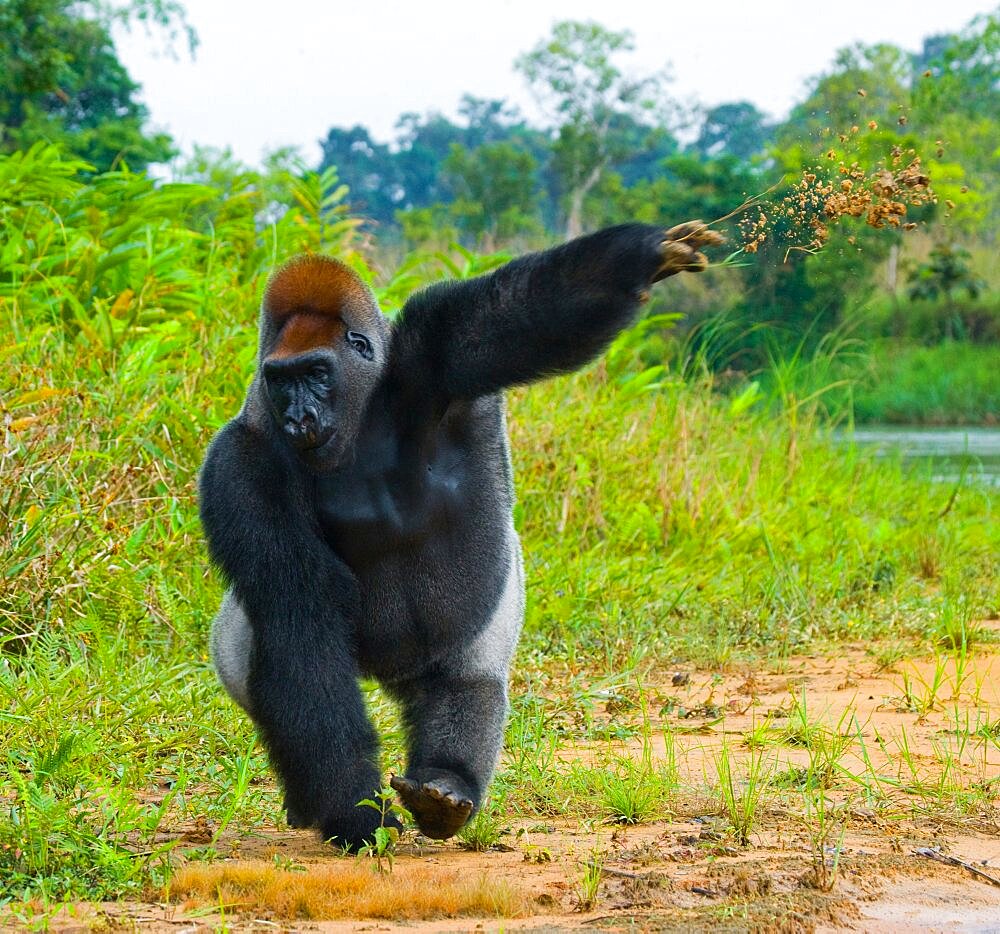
306,332
306,297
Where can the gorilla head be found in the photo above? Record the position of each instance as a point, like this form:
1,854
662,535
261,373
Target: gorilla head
323,345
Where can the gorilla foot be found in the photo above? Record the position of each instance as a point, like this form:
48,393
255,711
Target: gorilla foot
294,819
440,806
351,831
680,249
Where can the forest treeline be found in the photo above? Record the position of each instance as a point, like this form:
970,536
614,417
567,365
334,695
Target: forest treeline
613,147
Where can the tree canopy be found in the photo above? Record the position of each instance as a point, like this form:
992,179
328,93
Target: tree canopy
61,79
592,101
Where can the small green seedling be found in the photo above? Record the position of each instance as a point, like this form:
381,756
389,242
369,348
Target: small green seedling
381,847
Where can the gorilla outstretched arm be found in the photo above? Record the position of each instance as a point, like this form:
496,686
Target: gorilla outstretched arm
301,601
542,314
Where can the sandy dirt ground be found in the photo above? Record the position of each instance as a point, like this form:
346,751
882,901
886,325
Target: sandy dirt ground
685,872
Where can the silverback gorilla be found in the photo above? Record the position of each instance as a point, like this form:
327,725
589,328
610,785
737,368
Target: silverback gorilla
359,509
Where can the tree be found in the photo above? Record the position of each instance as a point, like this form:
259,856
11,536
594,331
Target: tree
390,181
575,79
964,70
61,80
956,98
489,120
946,272
867,82
369,168
641,149
495,187
424,143
738,129
684,186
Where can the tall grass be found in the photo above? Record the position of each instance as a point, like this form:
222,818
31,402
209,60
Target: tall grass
660,519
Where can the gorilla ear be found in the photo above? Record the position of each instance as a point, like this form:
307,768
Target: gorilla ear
314,285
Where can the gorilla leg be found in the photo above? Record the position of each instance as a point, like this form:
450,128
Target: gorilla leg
455,727
231,644
304,697
310,798
455,716
295,672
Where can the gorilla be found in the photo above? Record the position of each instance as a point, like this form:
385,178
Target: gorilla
359,510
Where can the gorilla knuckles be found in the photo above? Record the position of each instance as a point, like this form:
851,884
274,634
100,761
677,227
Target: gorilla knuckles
360,509
322,341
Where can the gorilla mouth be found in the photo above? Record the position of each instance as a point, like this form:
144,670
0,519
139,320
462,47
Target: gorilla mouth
325,453
313,439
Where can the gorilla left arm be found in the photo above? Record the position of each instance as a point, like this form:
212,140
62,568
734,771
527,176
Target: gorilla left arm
541,314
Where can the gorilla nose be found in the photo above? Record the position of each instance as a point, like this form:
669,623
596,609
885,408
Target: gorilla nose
302,429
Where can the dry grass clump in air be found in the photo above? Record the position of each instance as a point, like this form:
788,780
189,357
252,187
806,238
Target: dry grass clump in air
825,193
344,890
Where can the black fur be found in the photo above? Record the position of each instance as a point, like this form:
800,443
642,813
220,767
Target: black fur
542,314
386,550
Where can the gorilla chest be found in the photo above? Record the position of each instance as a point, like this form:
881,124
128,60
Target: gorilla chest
384,505
424,527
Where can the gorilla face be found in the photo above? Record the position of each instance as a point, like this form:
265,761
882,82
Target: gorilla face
303,393
318,397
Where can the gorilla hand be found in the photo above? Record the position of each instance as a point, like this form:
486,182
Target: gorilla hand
681,249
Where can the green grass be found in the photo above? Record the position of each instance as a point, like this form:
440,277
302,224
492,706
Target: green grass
658,525
743,799
952,383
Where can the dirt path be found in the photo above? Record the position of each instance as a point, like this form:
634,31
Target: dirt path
915,772
663,877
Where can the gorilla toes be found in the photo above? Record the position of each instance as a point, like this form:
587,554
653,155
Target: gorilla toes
440,806
680,251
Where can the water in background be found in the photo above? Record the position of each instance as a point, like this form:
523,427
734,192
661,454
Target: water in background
949,451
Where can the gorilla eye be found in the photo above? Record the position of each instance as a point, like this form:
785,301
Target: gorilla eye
361,344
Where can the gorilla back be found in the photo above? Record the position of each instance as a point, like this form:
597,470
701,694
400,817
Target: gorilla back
359,508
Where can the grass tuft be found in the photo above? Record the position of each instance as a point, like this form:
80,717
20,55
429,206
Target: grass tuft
344,889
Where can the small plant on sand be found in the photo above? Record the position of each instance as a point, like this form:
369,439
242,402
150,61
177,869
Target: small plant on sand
630,791
955,629
590,882
826,746
743,800
668,768
887,655
824,820
921,693
801,730
633,791
824,823
760,735
386,837
483,831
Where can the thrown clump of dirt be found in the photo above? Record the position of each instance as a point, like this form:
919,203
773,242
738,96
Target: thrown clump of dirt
839,187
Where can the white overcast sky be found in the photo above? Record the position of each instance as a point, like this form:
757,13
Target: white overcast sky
281,73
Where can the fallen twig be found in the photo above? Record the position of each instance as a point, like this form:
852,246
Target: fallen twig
701,890
935,854
624,873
